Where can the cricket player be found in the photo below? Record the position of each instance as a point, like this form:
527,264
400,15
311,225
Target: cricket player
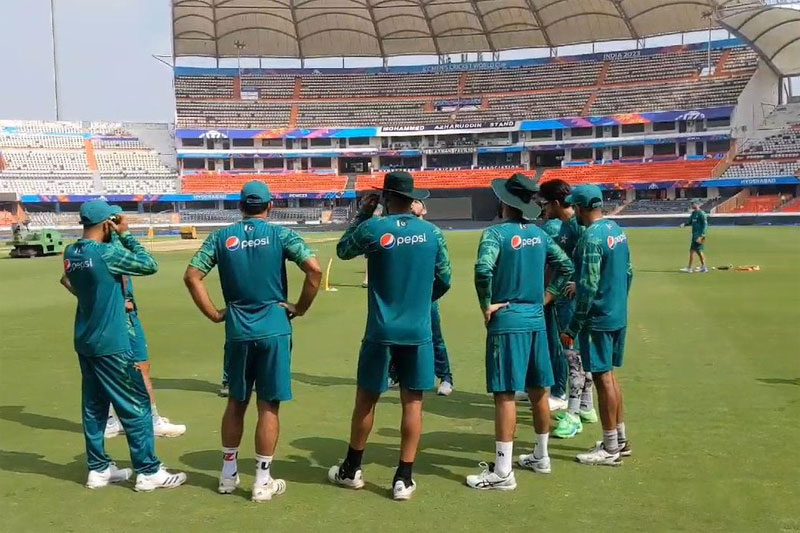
509,280
409,268
251,256
580,407
698,220
604,274
94,270
558,392
441,360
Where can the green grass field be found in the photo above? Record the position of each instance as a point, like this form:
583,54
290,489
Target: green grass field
712,383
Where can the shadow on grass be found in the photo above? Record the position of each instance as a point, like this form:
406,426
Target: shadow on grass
16,413
34,463
460,404
327,452
323,381
185,384
780,381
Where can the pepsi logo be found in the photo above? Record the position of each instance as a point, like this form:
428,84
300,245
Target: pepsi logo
232,243
387,241
67,264
613,241
518,242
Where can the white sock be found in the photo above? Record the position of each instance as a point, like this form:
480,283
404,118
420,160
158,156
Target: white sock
503,454
230,466
154,410
621,432
263,466
111,413
540,450
610,441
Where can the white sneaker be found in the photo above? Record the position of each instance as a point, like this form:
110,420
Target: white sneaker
521,396
540,465
599,456
228,484
557,404
162,479
113,428
687,270
356,482
445,388
162,427
392,383
400,492
489,480
112,474
264,493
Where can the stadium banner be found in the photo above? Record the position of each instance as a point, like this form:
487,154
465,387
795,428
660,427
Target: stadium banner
47,199
621,141
297,154
752,182
458,127
459,67
278,133
627,118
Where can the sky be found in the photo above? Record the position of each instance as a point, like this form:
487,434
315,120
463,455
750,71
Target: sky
104,52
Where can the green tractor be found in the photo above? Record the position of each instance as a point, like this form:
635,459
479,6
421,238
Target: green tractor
37,243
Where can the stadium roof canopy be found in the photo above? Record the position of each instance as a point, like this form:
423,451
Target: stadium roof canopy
385,28
773,32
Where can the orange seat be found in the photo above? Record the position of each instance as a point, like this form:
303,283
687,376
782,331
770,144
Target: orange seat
288,183
759,204
444,179
635,172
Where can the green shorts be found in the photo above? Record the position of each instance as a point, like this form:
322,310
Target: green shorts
602,350
695,247
263,363
413,364
137,338
517,361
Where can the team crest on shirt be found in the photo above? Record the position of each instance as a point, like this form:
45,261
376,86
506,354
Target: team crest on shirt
613,241
232,243
249,227
517,242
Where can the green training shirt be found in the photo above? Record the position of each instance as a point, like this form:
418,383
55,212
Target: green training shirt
569,234
510,268
604,274
699,222
408,267
552,226
95,272
251,256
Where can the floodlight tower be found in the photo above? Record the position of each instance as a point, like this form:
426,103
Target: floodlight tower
240,45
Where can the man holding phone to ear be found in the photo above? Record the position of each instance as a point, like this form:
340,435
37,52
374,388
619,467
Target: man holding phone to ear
94,269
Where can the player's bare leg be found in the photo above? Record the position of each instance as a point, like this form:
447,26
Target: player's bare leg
622,438
363,418
231,431
607,452
349,473
162,427
267,433
539,460
499,475
403,485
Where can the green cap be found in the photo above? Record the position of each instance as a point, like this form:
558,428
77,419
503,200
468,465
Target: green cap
697,202
256,192
402,183
518,191
587,196
97,211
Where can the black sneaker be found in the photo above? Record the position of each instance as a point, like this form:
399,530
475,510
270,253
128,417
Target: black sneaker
625,449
